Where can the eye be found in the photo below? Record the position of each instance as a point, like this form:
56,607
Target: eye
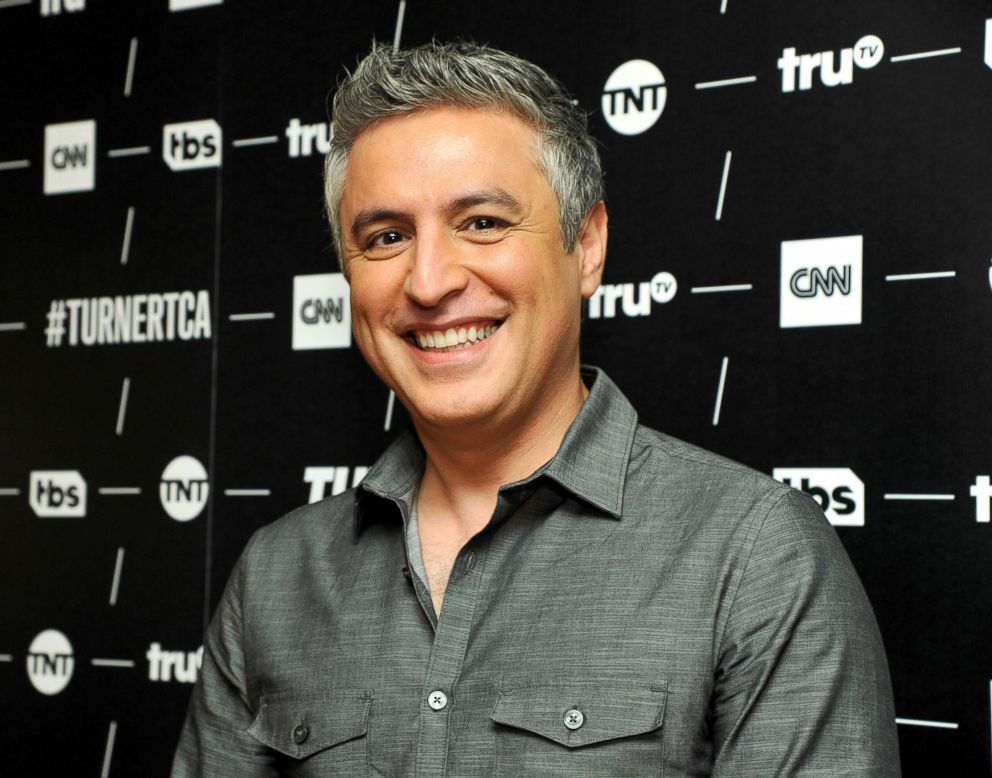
483,224
387,238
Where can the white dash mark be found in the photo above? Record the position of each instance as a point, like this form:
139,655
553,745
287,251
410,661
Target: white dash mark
988,61
723,186
389,410
259,141
112,662
921,276
10,326
247,492
15,164
119,490
6,658
726,82
12,3
122,409
724,288
723,7
400,13
115,586
925,55
719,391
251,316
131,151
131,57
108,752
925,723
10,492
906,496
128,226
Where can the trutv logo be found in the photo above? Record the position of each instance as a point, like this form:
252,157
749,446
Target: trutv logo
838,491
192,145
634,300
834,68
55,7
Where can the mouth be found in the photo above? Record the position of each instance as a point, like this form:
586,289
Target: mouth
454,338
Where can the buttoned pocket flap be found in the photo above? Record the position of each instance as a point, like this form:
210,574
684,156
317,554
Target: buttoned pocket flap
299,727
580,715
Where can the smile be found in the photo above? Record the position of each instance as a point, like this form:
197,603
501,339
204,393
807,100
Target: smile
454,339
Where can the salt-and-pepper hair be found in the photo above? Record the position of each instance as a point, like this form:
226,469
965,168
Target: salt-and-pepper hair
464,74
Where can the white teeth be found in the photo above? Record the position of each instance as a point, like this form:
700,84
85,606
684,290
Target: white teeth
454,339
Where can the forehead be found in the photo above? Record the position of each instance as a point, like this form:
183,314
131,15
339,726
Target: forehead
428,153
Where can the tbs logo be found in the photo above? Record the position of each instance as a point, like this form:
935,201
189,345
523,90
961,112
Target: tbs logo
838,491
58,494
192,145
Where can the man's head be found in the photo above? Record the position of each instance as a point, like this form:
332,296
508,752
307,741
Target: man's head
390,83
467,267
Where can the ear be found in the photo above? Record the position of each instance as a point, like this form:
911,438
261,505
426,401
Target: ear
590,249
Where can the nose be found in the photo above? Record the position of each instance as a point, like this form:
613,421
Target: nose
436,271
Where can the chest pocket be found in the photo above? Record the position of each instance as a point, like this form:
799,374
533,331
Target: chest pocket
580,730
323,736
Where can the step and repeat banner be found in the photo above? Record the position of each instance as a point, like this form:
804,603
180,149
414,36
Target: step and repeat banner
800,278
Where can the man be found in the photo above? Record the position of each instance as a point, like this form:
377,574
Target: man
528,583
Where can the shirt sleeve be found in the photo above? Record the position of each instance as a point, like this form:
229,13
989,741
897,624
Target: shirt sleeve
214,742
802,683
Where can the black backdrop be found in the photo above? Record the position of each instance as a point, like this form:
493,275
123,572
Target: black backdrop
716,192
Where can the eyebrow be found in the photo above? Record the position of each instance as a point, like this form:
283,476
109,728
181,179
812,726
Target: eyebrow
496,196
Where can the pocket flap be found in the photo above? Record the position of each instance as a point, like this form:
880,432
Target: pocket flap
607,711
299,727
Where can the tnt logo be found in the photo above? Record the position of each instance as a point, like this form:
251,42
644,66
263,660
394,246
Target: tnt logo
321,312
634,300
50,662
57,494
186,5
866,54
54,7
821,282
837,490
320,478
192,145
184,488
303,138
70,157
183,666
634,97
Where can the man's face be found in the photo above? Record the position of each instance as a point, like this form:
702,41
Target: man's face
464,300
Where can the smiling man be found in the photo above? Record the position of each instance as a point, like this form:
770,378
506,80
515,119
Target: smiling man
528,582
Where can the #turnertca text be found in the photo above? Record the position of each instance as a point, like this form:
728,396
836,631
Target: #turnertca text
136,318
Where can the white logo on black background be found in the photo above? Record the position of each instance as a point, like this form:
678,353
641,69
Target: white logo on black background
866,53
50,662
635,300
57,494
70,157
184,488
982,492
821,282
55,7
320,478
305,139
321,311
988,42
634,97
192,145
186,5
839,492
182,666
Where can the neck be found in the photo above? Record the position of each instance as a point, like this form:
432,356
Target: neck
467,465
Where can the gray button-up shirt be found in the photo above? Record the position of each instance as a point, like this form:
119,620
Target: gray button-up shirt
636,607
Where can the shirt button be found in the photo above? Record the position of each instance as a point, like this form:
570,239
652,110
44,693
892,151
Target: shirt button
300,734
574,718
437,700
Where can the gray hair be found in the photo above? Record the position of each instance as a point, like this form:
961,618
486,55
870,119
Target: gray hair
391,82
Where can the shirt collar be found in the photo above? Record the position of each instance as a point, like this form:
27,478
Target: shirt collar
591,462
